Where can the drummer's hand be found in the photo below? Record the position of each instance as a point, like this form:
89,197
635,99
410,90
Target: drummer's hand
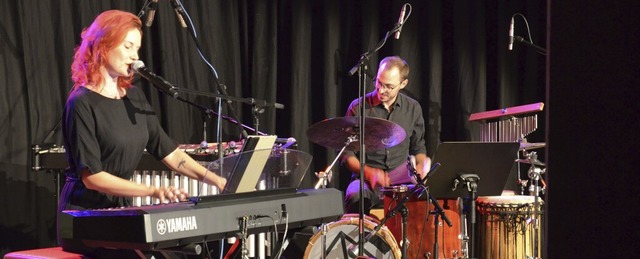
170,194
377,177
423,165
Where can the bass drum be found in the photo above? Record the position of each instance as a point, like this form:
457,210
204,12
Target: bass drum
343,233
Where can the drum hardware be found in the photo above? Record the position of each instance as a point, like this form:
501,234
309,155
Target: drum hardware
324,229
534,174
528,159
524,145
348,133
404,212
438,212
523,183
471,181
353,248
535,162
464,235
324,177
334,240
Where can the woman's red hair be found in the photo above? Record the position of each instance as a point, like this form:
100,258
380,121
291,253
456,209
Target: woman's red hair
105,33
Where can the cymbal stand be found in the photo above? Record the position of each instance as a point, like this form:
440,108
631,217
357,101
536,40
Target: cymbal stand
325,176
535,175
521,182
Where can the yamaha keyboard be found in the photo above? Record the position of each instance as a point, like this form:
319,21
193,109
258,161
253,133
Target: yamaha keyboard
164,226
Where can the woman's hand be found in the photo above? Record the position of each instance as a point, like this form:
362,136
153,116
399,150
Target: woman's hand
169,194
220,182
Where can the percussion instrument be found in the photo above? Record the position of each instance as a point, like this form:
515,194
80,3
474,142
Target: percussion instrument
420,226
502,125
506,226
334,133
344,232
530,146
157,177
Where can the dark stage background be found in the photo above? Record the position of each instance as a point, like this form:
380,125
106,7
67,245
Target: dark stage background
298,53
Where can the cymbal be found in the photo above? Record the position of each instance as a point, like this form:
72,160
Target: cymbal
334,133
530,161
530,146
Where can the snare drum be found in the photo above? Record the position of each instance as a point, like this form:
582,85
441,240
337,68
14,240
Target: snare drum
506,226
341,234
419,228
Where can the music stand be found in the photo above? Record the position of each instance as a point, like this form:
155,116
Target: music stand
472,169
491,161
247,168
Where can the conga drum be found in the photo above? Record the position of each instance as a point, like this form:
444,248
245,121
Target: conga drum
506,226
343,233
420,224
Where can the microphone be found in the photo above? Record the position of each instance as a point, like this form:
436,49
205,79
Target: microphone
511,35
159,82
152,12
401,20
177,6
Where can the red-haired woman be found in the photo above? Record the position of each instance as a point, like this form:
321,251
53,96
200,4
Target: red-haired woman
108,123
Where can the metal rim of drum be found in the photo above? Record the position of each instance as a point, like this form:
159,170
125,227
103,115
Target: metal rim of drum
369,223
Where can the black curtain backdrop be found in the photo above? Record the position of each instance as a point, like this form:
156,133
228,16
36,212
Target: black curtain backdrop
297,53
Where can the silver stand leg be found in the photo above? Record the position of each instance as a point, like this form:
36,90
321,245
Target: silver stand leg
325,176
535,190
323,237
464,236
244,236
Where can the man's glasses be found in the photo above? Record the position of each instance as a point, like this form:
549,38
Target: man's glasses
388,87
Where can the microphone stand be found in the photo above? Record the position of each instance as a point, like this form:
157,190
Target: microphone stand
221,89
175,93
471,181
438,211
419,187
529,43
403,212
252,101
144,8
222,92
361,68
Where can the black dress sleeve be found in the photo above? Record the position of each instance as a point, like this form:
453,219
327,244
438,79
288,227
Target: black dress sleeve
81,143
